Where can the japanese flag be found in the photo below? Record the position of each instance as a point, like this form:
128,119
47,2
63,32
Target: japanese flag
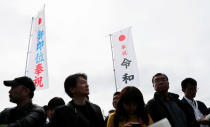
36,67
125,64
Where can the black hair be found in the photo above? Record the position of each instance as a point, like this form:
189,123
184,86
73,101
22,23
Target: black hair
55,102
158,74
31,94
188,81
129,95
71,82
116,93
45,107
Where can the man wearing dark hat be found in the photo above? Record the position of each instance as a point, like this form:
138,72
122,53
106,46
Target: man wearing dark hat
25,114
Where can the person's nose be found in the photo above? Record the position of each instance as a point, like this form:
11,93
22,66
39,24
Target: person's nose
86,85
10,91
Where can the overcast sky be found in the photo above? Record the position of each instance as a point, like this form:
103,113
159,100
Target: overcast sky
171,37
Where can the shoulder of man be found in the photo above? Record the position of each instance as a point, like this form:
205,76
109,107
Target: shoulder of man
63,116
98,114
173,95
7,110
151,101
202,107
201,103
37,113
65,109
184,100
5,114
94,106
37,108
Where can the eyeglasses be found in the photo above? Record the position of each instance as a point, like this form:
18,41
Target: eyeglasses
158,80
192,89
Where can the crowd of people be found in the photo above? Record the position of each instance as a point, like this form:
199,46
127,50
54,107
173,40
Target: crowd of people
129,107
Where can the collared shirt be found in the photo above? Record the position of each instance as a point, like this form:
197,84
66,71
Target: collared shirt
197,112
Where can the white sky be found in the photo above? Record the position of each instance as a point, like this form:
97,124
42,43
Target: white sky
169,36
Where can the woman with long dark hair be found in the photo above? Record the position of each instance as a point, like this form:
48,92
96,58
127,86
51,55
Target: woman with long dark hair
130,110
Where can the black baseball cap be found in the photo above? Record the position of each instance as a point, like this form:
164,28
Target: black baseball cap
24,80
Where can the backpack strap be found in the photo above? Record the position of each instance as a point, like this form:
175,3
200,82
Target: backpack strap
78,115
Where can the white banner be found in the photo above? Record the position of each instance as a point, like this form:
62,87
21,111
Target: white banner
125,64
36,67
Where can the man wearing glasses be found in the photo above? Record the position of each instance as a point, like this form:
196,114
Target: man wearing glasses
189,87
167,105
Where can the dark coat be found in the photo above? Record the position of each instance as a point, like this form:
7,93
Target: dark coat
201,106
29,115
158,110
69,116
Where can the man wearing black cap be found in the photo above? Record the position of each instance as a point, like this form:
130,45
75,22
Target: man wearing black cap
25,114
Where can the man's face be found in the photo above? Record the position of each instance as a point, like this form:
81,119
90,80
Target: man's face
190,91
17,93
115,100
160,83
50,113
81,88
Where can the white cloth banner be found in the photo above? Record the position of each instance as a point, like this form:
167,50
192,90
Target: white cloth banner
36,67
125,64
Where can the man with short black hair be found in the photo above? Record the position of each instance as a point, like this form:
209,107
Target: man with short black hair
54,103
189,87
167,105
25,114
79,112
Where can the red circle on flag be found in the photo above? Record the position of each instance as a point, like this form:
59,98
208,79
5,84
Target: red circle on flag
122,37
40,20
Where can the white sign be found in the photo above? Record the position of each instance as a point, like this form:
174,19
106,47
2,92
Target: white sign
161,123
36,67
125,64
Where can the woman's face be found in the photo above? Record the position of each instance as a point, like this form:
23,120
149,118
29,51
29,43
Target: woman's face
130,108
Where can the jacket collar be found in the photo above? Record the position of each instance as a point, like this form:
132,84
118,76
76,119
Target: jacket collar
25,108
158,96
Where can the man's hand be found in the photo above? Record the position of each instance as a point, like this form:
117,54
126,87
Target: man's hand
128,124
203,121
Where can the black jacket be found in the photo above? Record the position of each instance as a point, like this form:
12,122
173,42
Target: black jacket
201,106
29,115
158,110
70,116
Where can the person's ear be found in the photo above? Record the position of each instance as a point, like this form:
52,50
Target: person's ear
27,91
183,90
72,90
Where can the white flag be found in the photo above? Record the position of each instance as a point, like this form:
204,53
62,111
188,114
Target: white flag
125,64
36,67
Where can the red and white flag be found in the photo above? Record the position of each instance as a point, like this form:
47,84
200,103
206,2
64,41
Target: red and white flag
36,67
125,64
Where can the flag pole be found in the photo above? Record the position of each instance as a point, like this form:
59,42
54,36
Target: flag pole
29,46
110,35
